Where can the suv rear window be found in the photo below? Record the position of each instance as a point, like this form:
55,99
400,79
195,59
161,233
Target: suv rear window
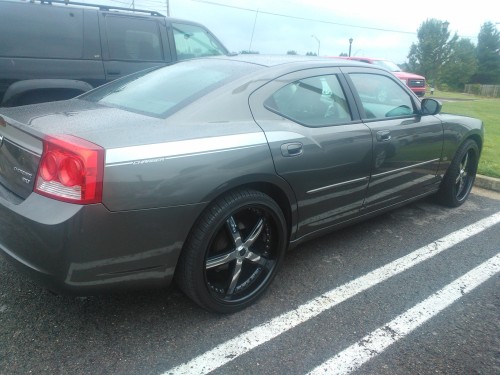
164,91
55,32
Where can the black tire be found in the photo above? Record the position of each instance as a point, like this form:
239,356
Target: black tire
233,252
459,178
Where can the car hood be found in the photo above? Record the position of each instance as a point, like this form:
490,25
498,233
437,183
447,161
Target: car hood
406,75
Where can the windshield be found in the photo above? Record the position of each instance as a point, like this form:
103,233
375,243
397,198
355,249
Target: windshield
164,91
386,64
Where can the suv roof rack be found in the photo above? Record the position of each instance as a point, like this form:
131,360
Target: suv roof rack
101,7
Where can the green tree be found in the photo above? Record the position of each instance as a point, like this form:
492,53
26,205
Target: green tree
311,54
461,65
248,52
292,53
488,55
343,54
432,50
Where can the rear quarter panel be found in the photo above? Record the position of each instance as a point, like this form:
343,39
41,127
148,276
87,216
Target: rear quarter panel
172,173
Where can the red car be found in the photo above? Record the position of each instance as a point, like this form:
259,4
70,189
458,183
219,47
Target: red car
415,82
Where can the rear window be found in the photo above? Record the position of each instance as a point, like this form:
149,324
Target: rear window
163,91
41,31
194,41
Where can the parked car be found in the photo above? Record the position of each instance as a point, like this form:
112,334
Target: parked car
209,169
54,50
414,81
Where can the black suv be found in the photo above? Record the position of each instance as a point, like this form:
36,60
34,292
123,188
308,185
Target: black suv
54,50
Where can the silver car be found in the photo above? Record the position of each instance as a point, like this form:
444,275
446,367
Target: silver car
208,170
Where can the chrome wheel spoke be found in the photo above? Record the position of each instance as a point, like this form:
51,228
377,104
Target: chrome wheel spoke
235,277
235,232
465,162
463,178
255,233
259,260
220,260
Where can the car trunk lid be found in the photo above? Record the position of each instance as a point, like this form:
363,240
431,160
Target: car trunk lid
19,158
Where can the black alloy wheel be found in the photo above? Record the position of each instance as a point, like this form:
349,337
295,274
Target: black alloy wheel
459,179
233,252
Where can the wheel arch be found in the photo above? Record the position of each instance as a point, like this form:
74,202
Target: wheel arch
16,91
271,185
476,138
281,198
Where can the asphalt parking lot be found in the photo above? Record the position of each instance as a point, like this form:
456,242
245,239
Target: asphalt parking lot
414,291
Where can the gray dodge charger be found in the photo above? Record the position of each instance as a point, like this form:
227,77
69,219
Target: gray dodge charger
206,171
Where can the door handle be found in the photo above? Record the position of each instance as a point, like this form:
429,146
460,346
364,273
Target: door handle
291,149
383,136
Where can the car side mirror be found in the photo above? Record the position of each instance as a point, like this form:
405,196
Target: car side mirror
430,107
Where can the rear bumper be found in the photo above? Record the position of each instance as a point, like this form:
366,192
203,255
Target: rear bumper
81,250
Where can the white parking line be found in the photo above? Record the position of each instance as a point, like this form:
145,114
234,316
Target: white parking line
243,343
376,342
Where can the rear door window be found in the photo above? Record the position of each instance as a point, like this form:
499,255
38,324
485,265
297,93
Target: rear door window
314,101
133,39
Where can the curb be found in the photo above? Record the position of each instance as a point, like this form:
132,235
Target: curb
486,182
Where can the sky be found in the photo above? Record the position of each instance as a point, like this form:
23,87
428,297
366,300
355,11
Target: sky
381,28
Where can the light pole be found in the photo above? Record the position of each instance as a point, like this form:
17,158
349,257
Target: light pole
350,45
317,40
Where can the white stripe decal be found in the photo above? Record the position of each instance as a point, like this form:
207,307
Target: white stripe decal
283,136
243,343
179,148
376,342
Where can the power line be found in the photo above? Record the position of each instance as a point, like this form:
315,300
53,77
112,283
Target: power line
304,18
317,20
128,3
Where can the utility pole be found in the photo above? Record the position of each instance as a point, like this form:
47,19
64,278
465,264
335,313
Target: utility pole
168,8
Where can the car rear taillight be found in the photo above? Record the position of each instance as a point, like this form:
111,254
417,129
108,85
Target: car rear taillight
71,170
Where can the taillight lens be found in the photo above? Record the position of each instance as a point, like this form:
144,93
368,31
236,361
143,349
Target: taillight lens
71,170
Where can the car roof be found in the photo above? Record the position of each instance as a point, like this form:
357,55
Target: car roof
367,58
276,60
